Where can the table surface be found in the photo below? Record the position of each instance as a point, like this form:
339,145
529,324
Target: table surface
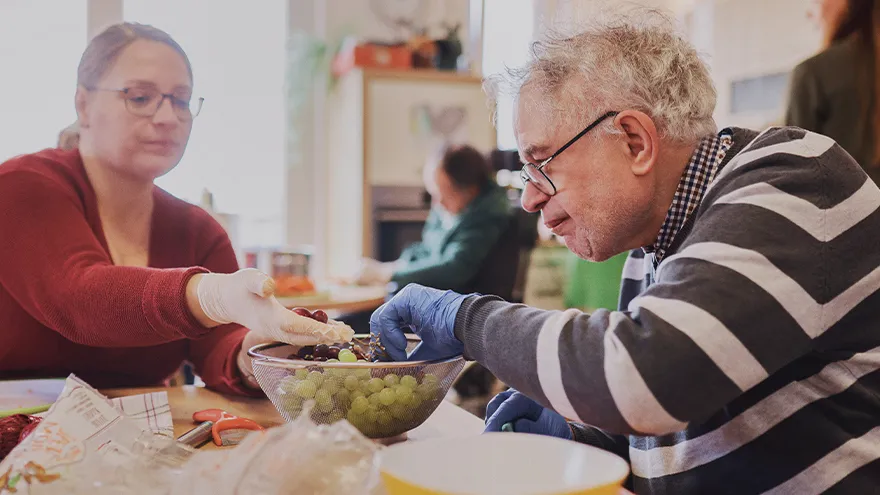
448,421
340,299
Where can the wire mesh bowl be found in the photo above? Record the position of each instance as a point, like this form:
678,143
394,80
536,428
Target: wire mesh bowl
381,399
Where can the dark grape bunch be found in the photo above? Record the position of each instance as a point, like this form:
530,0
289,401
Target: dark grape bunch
322,352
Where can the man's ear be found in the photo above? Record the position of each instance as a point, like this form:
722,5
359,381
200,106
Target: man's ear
640,138
81,101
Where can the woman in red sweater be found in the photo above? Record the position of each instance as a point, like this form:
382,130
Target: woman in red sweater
105,275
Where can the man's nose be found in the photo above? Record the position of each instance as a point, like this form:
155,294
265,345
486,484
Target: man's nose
532,199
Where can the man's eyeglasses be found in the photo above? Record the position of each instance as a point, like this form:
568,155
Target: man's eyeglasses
145,102
535,173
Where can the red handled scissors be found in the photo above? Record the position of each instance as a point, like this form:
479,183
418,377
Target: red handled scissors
223,421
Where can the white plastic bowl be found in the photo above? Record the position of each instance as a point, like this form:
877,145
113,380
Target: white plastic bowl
501,463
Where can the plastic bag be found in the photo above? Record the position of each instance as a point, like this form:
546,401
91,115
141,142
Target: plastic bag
298,458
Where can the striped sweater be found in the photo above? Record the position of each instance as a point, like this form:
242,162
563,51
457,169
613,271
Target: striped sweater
748,360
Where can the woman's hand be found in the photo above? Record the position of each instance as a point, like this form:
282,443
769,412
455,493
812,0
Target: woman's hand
246,298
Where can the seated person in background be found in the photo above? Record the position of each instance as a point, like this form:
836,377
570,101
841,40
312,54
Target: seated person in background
469,213
107,276
68,138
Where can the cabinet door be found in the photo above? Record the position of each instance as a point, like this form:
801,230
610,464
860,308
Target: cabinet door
408,118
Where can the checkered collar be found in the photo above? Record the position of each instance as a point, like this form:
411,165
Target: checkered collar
699,173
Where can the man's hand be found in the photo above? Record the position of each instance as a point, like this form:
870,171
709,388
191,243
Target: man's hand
430,313
526,416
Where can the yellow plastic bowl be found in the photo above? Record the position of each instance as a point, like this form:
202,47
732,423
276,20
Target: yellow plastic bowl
501,463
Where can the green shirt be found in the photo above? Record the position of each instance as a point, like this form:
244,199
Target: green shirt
451,251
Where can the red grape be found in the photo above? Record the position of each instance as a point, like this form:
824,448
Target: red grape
303,312
320,315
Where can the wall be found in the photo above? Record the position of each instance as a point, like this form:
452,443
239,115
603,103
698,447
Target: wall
750,38
330,20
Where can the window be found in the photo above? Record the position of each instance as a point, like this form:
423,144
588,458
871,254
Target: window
237,147
508,27
38,83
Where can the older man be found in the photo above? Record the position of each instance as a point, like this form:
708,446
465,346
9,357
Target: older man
744,357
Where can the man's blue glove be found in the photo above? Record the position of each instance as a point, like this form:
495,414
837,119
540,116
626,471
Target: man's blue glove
526,415
429,313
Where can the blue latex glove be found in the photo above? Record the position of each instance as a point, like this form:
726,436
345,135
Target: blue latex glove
526,415
429,313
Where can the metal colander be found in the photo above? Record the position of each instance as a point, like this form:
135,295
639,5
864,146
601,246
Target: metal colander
397,396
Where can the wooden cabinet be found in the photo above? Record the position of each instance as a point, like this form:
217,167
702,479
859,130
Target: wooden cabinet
381,127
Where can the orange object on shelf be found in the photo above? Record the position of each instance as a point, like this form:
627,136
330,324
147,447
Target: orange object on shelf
293,285
371,55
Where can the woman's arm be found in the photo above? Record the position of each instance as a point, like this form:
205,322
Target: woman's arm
55,268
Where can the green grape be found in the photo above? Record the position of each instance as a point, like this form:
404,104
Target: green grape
397,410
376,385
346,356
426,391
372,414
430,379
306,389
338,372
351,383
387,396
335,416
291,404
375,399
343,397
357,393
404,395
332,360
301,373
363,374
360,405
409,382
384,418
415,401
323,397
391,380
357,419
323,401
287,384
316,377
332,385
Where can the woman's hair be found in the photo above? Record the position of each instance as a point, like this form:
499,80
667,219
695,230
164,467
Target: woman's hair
465,166
861,19
105,48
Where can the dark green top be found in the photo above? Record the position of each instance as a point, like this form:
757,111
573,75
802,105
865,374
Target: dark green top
449,256
832,94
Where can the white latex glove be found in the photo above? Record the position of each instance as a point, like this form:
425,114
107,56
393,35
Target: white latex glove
245,297
372,272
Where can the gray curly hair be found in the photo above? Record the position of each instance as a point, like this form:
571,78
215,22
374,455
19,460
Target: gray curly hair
631,61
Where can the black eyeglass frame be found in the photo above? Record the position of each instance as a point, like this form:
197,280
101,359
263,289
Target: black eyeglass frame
527,176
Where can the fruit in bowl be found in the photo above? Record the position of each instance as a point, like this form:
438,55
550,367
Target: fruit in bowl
381,399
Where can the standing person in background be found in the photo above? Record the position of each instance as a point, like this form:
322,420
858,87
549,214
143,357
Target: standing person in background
107,276
835,93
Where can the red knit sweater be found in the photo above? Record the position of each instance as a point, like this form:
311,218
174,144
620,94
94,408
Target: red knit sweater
65,308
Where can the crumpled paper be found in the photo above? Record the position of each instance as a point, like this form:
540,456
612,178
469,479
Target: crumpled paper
84,446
